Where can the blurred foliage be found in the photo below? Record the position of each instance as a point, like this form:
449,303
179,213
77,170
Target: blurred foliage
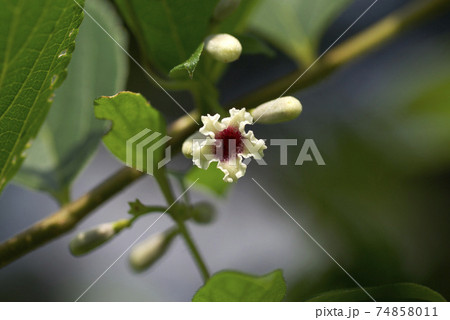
404,292
210,180
296,26
168,31
384,190
98,67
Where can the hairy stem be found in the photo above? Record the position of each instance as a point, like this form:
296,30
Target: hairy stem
69,215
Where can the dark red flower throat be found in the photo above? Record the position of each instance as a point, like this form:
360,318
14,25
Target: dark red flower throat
229,143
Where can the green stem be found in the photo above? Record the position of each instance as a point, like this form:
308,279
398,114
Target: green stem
193,248
164,184
166,189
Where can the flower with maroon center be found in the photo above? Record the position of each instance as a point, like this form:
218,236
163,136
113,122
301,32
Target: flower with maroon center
227,143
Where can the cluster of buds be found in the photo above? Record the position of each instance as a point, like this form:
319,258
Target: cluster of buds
146,253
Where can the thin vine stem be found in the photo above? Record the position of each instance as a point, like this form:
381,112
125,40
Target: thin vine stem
193,248
166,189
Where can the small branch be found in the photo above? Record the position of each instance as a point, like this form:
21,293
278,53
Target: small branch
66,218
355,47
69,215
166,189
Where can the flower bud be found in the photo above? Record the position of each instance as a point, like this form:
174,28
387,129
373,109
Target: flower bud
278,110
203,212
146,253
224,8
186,149
223,47
86,241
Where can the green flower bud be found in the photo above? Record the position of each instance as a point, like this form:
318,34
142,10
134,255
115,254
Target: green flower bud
223,47
278,110
203,212
86,241
146,253
186,149
224,8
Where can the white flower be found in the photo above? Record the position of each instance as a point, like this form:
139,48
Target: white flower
227,143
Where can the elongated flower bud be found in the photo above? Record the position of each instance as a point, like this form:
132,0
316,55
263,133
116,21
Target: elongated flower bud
223,47
86,241
146,253
186,149
224,8
278,110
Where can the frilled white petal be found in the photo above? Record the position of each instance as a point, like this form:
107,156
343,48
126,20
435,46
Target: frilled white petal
253,147
203,153
211,125
233,169
238,118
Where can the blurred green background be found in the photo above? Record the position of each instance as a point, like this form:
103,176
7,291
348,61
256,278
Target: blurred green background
380,206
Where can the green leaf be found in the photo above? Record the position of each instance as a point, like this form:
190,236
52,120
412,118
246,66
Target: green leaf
236,23
71,133
36,43
399,292
188,66
296,26
131,115
210,180
232,286
252,45
168,31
